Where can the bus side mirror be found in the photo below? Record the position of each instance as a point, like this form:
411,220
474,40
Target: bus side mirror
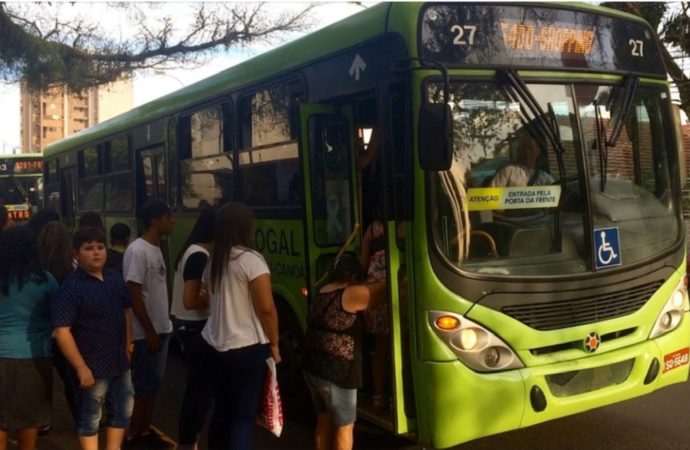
435,137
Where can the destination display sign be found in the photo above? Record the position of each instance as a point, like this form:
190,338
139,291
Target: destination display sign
18,166
530,36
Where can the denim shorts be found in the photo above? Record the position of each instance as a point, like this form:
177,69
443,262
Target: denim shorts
118,396
148,368
330,398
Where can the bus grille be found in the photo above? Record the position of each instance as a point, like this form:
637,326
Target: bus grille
576,382
584,310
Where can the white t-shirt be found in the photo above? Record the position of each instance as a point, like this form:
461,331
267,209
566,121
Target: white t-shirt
232,321
143,264
178,310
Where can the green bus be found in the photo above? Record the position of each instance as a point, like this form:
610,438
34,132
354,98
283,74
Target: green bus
20,184
510,303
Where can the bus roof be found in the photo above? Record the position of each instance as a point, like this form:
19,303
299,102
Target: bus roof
363,26
21,155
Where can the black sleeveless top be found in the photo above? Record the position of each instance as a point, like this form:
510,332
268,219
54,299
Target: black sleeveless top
333,342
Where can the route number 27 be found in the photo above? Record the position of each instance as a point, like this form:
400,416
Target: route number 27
464,34
636,47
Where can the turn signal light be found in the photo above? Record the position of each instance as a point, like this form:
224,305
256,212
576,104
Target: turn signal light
304,292
447,323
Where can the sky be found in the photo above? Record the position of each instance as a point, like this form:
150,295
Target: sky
149,85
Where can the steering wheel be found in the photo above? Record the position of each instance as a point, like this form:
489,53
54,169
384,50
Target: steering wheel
487,237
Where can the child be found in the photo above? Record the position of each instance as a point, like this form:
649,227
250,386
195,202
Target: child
145,273
119,240
91,316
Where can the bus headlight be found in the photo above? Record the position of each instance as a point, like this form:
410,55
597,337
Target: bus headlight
672,312
475,346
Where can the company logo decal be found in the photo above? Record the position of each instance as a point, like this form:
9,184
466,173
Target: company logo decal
592,342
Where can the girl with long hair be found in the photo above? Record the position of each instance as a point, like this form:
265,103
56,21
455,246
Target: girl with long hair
56,256
242,327
55,250
25,330
191,312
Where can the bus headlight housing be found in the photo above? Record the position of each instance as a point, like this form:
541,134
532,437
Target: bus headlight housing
672,312
477,347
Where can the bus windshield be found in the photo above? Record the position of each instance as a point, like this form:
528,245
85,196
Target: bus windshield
12,191
512,204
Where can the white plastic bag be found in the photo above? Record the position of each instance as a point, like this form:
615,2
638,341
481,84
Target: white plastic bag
271,415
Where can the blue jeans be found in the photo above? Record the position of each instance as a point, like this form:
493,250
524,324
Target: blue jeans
148,368
196,402
328,397
237,381
118,395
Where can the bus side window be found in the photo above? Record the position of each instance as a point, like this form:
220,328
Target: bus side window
270,171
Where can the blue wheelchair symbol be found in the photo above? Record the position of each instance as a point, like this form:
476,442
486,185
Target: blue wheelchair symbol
607,250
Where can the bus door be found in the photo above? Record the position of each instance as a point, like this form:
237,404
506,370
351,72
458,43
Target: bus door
68,197
151,183
331,213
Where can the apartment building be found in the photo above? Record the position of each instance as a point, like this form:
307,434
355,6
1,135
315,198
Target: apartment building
50,115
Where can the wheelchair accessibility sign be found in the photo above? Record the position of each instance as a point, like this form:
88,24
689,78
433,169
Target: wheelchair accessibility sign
607,249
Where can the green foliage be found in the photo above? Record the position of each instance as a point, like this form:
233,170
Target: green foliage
43,44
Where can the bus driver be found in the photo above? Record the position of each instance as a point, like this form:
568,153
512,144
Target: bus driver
524,171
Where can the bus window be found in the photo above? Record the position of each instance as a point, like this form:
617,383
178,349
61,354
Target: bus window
90,190
331,190
207,171
118,178
269,154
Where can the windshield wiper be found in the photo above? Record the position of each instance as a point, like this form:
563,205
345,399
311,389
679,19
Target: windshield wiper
629,91
605,140
549,129
21,189
513,79
602,146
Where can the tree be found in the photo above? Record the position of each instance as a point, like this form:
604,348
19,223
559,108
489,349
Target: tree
44,44
672,22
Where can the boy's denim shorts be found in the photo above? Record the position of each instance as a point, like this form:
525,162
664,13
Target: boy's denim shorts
148,368
330,398
118,396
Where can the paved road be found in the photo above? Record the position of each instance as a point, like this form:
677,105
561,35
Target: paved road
660,421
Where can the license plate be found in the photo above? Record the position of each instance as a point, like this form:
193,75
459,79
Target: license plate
676,359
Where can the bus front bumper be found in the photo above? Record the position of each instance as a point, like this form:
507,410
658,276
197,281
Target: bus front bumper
463,405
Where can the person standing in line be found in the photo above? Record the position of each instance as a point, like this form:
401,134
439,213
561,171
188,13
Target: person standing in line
145,273
191,311
333,350
42,217
25,344
91,316
55,254
119,240
242,327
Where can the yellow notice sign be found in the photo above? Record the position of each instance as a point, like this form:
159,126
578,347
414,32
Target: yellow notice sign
491,198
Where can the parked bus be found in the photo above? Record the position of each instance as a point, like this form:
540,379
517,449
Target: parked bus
20,184
510,302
